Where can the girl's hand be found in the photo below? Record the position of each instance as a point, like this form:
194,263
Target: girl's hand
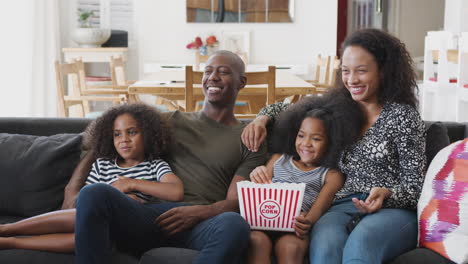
374,202
123,184
260,175
302,226
254,133
136,198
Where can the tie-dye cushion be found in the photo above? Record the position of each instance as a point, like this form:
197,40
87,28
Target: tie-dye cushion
443,206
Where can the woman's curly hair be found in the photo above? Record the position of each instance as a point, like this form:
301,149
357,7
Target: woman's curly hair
99,135
398,78
341,116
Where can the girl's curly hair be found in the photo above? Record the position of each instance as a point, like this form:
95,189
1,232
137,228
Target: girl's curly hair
398,78
340,115
154,127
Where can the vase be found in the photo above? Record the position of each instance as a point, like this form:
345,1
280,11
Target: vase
90,37
203,50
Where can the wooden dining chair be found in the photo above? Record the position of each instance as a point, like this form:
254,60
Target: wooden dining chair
191,77
72,94
322,70
253,78
241,107
119,77
264,77
118,85
333,75
326,71
118,73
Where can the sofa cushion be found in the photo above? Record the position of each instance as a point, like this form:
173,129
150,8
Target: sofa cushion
168,255
23,256
436,139
443,222
5,219
421,256
34,171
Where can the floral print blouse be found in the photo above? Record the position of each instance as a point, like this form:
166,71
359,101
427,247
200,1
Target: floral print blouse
390,154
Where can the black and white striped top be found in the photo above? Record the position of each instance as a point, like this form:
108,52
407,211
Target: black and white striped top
285,170
107,170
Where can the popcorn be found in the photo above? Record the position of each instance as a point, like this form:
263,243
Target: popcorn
270,206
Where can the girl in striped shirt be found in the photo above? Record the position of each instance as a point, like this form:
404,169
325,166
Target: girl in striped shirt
308,139
128,142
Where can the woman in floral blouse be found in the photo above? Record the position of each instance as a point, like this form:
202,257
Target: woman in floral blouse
373,218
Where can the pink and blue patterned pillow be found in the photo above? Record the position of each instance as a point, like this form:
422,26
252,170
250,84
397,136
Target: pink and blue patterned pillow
443,205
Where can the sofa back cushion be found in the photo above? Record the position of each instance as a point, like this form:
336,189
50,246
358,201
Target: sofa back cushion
436,139
443,205
34,171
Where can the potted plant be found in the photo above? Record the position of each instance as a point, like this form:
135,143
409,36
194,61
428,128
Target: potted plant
84,17
87,36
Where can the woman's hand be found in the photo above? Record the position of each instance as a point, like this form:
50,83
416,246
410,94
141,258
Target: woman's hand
260,175
374,202
302,226
254,133
123,184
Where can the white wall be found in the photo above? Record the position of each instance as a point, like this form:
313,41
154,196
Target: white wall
67,18
16,53
162,33
456,16
414,19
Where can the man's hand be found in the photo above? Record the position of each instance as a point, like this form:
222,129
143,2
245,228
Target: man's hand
255,133
179,219
302,226
123,184
374,202
260,175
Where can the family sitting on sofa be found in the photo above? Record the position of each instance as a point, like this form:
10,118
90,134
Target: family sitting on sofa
360,149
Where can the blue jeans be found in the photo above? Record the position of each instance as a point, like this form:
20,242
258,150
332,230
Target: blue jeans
106,217
378,237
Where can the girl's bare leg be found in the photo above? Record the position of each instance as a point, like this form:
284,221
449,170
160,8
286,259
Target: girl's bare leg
61,243
62,221
259,248
291,249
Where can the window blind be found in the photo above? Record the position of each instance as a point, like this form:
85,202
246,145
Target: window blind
121,13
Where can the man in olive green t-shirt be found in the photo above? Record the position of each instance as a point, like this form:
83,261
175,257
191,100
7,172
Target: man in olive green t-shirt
208,156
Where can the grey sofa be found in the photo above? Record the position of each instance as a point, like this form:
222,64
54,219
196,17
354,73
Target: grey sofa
36,163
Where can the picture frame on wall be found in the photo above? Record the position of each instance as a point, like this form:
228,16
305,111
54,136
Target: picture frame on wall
237,42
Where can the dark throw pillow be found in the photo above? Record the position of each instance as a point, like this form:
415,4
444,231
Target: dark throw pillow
436,139
34,171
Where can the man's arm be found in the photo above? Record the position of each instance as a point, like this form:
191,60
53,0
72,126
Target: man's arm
181,218
185,217
256,131
77,181
231,204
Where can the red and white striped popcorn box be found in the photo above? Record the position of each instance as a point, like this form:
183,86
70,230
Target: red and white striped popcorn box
270,206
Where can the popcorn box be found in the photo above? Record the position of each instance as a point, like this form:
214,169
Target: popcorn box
270,206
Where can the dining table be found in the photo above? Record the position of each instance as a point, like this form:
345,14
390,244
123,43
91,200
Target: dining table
170,85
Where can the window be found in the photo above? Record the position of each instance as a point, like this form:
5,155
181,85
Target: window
120,13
